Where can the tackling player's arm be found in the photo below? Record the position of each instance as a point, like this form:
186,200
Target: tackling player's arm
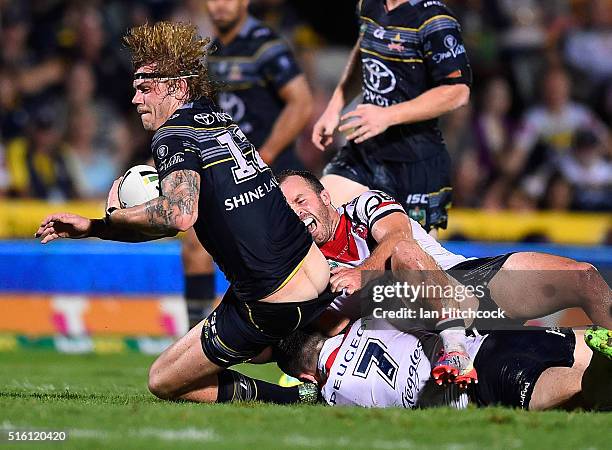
387,232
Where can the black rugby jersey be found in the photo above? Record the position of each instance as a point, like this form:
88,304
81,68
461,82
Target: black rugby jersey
405,52
252,69
244,221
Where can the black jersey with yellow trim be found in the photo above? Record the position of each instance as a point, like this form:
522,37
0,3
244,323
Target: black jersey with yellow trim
244,221
251,70
405,52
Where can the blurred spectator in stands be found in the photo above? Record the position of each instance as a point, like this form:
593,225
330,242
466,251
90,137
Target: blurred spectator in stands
90,45
195,12
92,167
522,40
547,131
589,173
80,94
459,137
14,53
13,117
33,73
36,164
4,177
588,51
493,126
558,194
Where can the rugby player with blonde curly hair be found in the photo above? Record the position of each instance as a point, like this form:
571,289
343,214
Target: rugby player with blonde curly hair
213,179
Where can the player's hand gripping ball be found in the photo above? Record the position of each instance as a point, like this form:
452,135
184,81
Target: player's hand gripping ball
139,185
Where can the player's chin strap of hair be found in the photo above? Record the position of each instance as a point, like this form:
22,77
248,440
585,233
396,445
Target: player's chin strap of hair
159,77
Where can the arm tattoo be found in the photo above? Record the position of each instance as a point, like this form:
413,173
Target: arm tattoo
179,201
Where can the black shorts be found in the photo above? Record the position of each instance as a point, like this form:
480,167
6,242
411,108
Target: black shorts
237,331
422,187
509,363
477,273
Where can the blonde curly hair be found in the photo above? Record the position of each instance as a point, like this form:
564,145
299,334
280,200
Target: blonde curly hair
177,51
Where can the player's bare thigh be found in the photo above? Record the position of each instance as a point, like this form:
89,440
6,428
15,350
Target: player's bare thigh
342,190
531,285
308,283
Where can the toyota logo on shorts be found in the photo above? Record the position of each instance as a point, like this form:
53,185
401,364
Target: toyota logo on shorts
378,77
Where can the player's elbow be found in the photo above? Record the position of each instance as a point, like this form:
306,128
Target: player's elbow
461,95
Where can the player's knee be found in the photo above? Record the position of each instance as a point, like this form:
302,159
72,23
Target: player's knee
158,383
585,273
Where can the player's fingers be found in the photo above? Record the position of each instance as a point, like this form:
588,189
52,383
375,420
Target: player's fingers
320,138
357,133
348,115
46,232
336,284
40,230
317,141
50,237
364,137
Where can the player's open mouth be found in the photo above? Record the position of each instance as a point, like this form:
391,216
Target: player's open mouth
310,224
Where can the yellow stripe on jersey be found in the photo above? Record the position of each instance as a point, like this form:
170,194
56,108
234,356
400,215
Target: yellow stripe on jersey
423,25
218,162
389,58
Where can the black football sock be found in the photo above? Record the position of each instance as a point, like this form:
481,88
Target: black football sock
236,387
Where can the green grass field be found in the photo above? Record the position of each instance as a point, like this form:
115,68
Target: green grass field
102,402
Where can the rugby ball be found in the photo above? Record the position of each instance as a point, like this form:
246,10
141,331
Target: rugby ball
139,185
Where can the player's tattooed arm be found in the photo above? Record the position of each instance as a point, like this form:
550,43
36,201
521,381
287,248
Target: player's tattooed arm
177,208
173,211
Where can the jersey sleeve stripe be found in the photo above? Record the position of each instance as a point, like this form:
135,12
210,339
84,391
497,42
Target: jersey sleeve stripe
388,58
438,23
384,212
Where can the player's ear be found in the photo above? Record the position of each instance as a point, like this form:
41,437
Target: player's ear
325,197
182,92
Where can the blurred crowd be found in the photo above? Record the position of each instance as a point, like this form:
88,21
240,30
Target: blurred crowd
536,134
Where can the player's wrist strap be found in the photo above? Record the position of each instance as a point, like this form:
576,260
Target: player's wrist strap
98,227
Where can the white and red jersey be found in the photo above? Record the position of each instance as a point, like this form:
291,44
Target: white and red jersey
374,365
353,241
